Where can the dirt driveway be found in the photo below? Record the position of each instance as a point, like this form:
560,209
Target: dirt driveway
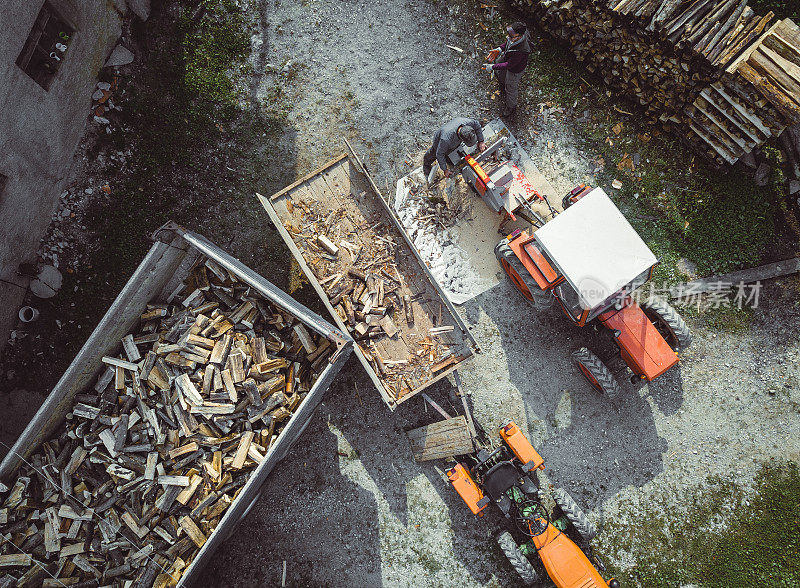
349,506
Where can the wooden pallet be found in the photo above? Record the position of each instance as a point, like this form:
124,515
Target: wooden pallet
443,439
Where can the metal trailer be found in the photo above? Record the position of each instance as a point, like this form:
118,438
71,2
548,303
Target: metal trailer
163,268
336,184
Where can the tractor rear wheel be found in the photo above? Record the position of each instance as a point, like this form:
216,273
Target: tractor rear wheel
574,514
599,376
521,278
519,562
669,323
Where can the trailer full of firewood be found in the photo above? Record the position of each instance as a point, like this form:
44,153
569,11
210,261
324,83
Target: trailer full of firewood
365,268
157,439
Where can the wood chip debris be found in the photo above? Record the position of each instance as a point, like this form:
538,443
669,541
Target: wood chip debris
153,454
364,283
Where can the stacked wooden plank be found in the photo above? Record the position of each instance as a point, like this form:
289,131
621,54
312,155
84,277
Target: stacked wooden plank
682,60
152,455
772,65
728,119
756,97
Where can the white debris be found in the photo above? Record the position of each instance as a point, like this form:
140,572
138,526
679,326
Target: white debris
447,262
119,56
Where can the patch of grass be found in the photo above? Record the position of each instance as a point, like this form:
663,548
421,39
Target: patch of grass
781,8
718,219
212,43
550,61
724,541
723,318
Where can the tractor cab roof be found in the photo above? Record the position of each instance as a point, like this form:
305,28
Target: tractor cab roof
595,248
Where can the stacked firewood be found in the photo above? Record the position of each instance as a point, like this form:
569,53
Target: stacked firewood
152,456
790,145
665,53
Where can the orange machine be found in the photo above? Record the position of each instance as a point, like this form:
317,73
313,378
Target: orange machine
591,261
565,562
503,477
461,480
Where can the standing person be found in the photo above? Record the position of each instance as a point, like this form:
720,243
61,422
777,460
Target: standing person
511,59
448,138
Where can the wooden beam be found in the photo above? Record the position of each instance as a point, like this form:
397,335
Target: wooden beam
306,177
746,276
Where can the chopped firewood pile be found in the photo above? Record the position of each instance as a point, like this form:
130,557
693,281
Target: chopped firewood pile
357,264
152,456
443,204
714,67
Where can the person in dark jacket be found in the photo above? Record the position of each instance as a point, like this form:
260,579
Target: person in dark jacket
511,59
448,138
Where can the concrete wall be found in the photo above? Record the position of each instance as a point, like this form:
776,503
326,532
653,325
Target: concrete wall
40,129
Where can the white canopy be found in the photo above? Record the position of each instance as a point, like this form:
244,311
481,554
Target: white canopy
595,248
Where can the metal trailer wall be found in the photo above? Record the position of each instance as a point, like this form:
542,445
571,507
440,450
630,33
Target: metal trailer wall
163,268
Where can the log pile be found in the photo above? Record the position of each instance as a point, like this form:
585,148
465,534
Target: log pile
790,146
682,61
359,274
729,119
152,455
772,66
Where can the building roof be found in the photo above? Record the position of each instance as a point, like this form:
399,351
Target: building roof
595,248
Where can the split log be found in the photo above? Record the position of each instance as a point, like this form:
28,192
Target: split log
165,450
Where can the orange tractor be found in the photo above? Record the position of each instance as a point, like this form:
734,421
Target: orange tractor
506,477
588,258
591,260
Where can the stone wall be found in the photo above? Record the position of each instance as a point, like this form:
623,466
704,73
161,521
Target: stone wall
41,129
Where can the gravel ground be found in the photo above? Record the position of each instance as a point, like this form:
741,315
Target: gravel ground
349,506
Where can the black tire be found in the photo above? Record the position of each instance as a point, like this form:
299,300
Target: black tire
521,278
596,372
669,323
518,561
574,514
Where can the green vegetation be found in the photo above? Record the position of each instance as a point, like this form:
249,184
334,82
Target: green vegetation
724,541
720,220
195,150
211,45
781,8
181,106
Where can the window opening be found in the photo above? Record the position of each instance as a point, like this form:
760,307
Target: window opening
45,47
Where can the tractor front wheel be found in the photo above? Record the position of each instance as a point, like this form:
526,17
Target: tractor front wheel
518,561
669,323
574,514
599,376
521,278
